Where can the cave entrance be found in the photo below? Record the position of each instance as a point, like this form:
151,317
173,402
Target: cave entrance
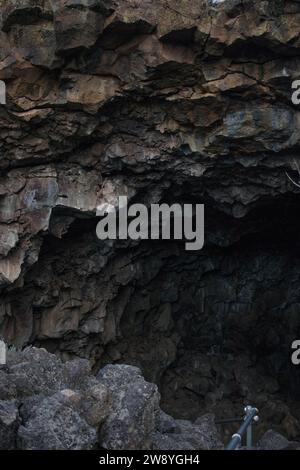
212,328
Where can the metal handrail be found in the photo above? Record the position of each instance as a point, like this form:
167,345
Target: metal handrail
251,415
229,420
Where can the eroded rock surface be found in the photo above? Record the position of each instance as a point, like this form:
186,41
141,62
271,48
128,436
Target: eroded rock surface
55,405
162,101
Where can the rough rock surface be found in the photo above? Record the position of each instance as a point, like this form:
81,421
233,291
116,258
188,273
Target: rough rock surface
182,434
272,440
55,405
135,404
8,424
163,101
48,404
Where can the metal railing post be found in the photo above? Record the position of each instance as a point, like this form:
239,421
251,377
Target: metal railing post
249,437
251,414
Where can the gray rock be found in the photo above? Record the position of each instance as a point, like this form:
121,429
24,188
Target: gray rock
55,424
184,435
135,403
77,373
170,442
206,426
272,440
29,405
95,405
35,371
166,423
61,404
9,420
8,389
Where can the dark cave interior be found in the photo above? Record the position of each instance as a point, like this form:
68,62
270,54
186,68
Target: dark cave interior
213,328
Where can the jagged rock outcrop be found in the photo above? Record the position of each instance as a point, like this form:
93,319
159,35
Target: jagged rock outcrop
93,108
54,405
162,101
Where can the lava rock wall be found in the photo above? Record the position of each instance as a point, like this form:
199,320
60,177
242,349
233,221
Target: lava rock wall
162,101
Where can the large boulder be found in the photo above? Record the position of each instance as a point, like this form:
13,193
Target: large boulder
55,424
46,404
135,403
60,405
34,371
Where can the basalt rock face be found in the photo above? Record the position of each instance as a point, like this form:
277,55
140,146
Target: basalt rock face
50,405
161,101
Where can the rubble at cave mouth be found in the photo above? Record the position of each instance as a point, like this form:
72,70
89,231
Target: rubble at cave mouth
212,328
